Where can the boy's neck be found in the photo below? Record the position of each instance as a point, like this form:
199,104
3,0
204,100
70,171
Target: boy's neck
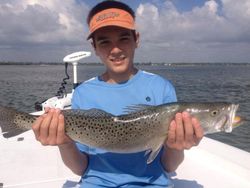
116,78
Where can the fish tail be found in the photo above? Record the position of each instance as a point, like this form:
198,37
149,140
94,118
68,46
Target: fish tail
9,124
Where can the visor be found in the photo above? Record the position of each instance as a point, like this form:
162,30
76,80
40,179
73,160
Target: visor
111,17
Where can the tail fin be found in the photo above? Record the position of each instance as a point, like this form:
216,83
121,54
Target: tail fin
9,123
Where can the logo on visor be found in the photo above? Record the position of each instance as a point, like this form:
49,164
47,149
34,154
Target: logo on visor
107,15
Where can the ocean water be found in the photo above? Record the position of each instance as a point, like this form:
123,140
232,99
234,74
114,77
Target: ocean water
23,85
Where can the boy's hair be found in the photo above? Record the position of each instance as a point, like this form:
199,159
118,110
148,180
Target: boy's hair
109,4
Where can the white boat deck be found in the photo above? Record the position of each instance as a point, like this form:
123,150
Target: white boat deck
213,164
25,163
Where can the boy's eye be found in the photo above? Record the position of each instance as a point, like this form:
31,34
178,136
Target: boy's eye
124,39
103,42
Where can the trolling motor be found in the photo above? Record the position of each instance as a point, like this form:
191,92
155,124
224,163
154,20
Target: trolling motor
74,58
62,100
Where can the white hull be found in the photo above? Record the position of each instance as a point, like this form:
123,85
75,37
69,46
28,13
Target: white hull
26,164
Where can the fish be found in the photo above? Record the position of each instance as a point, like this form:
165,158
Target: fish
140,128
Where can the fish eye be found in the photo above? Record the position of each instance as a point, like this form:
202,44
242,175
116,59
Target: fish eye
214,112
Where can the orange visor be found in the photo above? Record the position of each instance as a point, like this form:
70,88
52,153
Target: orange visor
111,17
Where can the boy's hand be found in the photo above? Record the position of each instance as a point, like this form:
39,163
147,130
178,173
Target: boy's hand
184,132
49,128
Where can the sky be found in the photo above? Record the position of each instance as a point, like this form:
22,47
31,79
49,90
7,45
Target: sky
170,30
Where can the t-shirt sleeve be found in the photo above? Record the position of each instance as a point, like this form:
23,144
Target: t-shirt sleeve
82,148
169,93
164,91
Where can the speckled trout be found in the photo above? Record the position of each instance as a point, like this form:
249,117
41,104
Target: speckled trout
141,128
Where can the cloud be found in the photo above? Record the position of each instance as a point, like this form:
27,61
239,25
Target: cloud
42,25
210,29
42,21
45,30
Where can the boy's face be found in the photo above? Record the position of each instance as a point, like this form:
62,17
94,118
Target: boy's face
116,46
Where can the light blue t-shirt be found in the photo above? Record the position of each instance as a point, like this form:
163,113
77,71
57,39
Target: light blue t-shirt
107,169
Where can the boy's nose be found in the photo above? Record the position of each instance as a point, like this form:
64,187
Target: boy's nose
115,50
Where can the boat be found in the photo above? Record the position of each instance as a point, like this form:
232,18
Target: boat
25,163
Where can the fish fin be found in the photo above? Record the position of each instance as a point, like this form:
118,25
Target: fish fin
92,113
153,154
147,152
136,108
8,128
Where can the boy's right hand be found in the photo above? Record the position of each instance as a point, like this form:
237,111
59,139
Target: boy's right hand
49,128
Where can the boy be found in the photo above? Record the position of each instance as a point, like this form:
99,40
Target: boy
114,39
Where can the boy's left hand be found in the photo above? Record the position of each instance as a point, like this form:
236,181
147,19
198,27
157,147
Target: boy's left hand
184,132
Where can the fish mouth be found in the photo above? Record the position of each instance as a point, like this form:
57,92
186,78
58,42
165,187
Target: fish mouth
233,120
237,121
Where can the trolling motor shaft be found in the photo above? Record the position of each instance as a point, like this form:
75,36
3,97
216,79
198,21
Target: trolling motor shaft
74,59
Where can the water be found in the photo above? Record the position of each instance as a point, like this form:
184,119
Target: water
23,85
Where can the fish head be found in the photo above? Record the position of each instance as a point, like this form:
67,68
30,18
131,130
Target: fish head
215,117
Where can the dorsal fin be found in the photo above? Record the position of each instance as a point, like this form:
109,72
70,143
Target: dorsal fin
137,108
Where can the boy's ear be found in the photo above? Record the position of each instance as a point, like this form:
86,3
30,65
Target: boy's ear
137,39
94,46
